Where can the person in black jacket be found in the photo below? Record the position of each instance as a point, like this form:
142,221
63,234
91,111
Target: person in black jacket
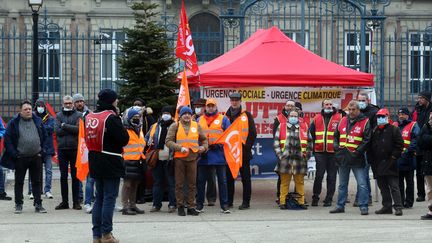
421,115
233,113
105,139
385,148
25,143
424,142
66,129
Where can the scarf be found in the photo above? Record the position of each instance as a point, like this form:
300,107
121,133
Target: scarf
163,133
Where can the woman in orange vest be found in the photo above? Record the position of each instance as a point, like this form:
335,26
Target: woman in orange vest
188,140
134,161
293,146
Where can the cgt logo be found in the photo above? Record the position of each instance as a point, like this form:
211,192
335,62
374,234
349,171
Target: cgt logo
233,141
92,123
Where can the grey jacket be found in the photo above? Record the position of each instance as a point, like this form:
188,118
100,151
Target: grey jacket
67,135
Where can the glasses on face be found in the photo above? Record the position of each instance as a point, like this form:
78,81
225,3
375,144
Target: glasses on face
361,100
381,116
67,103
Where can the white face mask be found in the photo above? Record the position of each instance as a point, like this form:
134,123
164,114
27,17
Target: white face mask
40,110
327,111
67,109
198,110
166,117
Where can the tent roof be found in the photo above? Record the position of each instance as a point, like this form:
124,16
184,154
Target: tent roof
270,58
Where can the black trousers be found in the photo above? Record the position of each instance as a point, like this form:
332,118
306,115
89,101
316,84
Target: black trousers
407,195
325,162
389,187
34,165
68,158
211,193
420,178
246,181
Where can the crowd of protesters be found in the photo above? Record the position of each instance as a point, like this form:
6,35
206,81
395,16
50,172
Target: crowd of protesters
190,163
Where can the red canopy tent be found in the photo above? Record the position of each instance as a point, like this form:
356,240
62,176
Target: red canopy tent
270,58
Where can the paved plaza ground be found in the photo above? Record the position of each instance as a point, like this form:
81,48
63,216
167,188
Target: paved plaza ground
264,222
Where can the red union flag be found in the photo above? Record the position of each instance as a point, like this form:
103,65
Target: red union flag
183,96
185,49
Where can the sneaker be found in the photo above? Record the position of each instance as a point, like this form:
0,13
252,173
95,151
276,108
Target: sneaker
398,212
18,209
154,209
31,197
171,209
137,210
225,210
77,206
364,211
4,196
199,209
118,208
426,217
384,210
338,210
244,207
88,208
40,209
49,195
109,238
181,211
192,211
62,205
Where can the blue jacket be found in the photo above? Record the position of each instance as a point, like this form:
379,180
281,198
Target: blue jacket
407,161
11,140
215,154
2,128
48,123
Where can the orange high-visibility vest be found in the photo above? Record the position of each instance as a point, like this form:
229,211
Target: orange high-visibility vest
189,140
324,136
283,134
214,131
134,150
406,133
354,138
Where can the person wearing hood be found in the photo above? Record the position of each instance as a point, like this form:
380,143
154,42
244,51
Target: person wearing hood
322,130
293,147
407,162
351,139
105,137
213,161
386,146
421,115
134,161
66,129
369,110
48,123
235,111
164,168
188,141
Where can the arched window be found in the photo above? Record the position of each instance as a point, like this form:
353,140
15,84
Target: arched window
206,36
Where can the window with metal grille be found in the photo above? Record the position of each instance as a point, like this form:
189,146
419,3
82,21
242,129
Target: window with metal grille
352,50
420,62
297,36
206,36
110,41
49,62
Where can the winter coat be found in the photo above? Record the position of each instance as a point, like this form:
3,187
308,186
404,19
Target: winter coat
424,143
67,135
343,156
153,142
421,114
407,161
386,146
104,165
247,147
370,112
48,123
134,169
11,140
215,153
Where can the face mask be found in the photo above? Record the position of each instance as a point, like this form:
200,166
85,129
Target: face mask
166,117
136,121
198,110
327,111
382,120
362,105
293,120
67,109
40,110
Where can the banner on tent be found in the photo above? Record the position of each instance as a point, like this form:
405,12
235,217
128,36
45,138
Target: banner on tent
265,103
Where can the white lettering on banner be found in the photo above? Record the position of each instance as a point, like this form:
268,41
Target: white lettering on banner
189,46
258,148
92,122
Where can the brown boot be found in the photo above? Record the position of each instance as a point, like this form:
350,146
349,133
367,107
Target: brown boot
98,240
109,238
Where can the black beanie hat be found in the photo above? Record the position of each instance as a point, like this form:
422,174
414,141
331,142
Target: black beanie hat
107,96
168,109
404,110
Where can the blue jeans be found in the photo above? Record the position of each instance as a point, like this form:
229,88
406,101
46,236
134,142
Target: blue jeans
162,173
2,180
89,190
48,175
103,209
204,171
368,184
344,175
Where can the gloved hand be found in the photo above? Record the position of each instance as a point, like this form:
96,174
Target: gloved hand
184,150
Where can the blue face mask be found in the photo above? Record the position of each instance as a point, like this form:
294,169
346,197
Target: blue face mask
382,120
293,120
327,111
362,105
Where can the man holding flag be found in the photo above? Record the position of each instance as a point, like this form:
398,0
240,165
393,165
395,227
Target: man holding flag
248,134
